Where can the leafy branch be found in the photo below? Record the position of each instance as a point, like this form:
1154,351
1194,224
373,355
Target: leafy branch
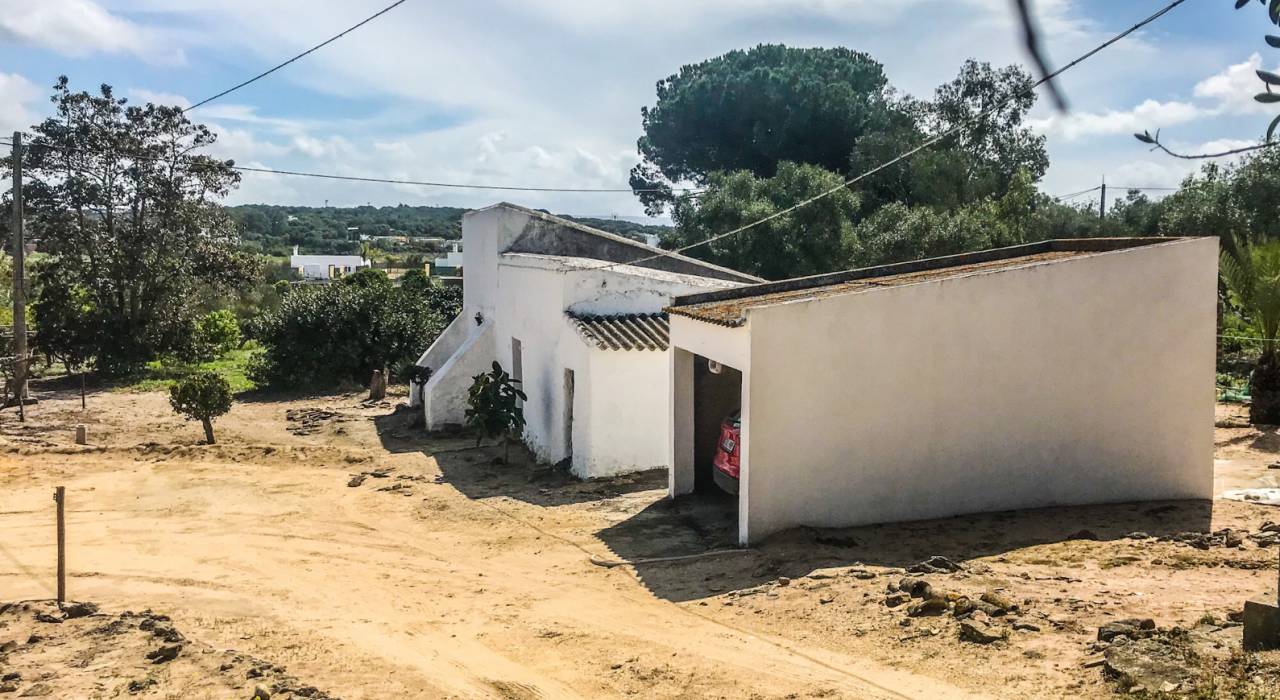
1268,96
1146,137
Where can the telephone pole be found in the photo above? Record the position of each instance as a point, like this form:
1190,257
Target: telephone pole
19,283
1102,207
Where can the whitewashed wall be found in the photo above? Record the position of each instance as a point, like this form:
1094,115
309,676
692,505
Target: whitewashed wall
621,401
1084,381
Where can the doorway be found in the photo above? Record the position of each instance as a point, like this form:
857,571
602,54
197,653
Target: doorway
568,416
717,397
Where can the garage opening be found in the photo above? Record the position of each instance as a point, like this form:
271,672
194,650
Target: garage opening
717,403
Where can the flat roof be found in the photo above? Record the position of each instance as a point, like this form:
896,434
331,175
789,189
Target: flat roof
729,307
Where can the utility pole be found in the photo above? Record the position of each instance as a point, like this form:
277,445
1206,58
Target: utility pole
19,283
1102,207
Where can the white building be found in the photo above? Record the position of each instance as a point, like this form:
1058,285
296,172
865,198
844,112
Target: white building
551,302
453,259
323,267
1058,373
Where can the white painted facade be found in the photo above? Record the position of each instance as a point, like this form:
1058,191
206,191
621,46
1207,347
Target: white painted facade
614,420
453,259
323,267
1075,381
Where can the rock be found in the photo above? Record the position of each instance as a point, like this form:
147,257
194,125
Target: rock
1269,526
138,685
784,581
979,633
928,607
166,632
893,600
260,693
862,574
75,610
34,639
1093,662
998,600
986,608
168,652
356,480
1083,535
916,587
1137,536
963,606
1150,663
46,617
1132,628
8,687
37,690
1025,627
8,646
934,565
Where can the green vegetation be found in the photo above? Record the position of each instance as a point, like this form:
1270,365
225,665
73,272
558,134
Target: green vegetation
274,230
201,396
325,334
159,375
123,287
493,406
1252,276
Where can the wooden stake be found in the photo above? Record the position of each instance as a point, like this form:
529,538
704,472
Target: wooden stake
60,496
82,391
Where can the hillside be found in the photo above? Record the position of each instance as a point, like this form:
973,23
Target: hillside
276,229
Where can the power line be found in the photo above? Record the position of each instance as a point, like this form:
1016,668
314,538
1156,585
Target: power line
1061,197
391,181
903,156
317,47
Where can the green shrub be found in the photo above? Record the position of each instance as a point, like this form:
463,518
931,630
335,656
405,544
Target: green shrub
202,396
323,335
493,406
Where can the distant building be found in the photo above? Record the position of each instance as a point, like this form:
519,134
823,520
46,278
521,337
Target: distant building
324,267
450,263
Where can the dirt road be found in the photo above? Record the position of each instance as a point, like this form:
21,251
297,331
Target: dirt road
441,575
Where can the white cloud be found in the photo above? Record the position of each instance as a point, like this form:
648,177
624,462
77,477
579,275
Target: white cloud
1235,87
17,97
1147,115
80,28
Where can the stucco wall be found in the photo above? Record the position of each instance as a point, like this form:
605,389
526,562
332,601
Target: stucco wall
621,399
624,425
1084,381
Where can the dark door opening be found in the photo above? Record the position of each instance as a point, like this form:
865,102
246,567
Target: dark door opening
717,397
568,417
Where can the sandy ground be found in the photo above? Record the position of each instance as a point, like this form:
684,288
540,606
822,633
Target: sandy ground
444,574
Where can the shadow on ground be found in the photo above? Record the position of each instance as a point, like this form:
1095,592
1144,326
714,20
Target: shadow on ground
686,526
660,527
492,470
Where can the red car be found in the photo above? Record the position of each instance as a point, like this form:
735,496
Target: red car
728,451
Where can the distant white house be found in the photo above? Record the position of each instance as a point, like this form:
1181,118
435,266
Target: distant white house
452,260
324,267
557,305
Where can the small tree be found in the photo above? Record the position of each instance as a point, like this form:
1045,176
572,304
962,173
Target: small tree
494,407
202,396
1252,276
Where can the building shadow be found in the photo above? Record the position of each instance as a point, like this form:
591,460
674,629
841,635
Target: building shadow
701,524
491,470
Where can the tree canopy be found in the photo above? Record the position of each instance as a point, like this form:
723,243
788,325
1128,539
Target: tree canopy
751,110
125,204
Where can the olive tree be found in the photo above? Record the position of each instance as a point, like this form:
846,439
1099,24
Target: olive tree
202,396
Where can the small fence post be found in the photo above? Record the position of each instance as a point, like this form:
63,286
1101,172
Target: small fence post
60,496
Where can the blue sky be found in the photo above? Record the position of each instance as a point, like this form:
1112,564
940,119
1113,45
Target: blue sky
548,92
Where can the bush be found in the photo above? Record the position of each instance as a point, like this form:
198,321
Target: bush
493,406
202,396
326,334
